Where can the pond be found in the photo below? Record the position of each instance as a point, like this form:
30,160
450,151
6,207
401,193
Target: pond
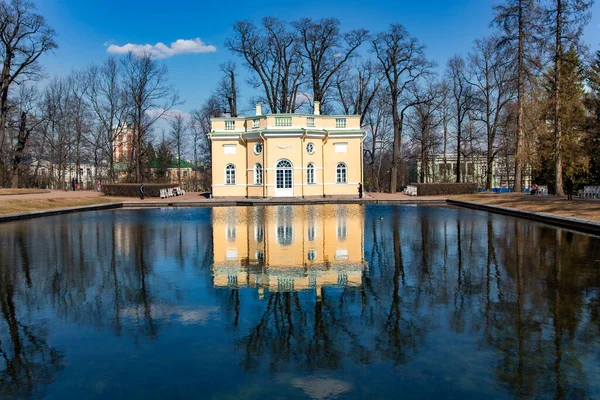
321,302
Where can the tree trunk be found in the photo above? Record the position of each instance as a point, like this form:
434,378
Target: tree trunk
137,151
520,93
233,101
21,142
396,150
458,140
557,102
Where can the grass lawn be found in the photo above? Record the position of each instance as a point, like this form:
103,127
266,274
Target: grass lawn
8,192
22,206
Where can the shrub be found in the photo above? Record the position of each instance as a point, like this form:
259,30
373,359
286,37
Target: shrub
133,189
442,189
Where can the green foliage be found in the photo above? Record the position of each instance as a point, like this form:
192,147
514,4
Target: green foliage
163,160
592,143
573,124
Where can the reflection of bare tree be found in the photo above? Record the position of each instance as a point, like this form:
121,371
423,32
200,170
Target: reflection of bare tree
142,297
533,319
279,333
28,359
400,333
516,284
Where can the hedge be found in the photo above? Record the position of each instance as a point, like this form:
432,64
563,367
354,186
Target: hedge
133,189
442,189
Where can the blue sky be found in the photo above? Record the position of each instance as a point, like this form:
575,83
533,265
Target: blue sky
85,28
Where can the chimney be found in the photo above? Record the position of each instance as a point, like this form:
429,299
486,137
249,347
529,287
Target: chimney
317,107
258,109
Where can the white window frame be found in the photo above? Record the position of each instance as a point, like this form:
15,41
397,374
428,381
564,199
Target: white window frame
258,148
310,122
283,121
310,148
230,174
340,122
341,173
258,174
230,125
310,174
255,123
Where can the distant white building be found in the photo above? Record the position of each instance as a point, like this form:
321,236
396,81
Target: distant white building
52,177
472,169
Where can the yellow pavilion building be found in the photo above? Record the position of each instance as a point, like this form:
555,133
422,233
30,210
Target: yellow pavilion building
288,248
286,155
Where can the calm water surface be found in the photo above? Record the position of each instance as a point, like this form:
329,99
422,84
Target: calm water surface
297,302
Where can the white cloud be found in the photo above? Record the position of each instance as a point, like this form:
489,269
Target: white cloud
200,315
321,387
160,50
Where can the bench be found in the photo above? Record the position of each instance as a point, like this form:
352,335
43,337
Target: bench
410,190
589,192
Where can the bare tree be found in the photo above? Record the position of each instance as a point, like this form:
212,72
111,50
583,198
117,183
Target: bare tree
178,139
150,96
519,24
462,98
108,102
81,114
24,37
490,75
57,110
200,126
565,22
273,54
357,89
28,123
403,61
326,49
423,126
445,112
379,141
227,89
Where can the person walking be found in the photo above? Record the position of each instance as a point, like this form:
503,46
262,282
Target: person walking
360,190
73,184
569,185
142,191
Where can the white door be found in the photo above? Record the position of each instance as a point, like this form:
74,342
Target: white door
284,181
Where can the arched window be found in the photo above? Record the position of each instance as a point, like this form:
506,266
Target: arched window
341,176
258,174
230,174
310,173
284,176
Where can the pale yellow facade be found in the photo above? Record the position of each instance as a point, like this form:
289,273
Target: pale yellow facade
287,248
286,155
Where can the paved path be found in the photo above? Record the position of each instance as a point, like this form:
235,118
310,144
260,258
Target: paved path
199,197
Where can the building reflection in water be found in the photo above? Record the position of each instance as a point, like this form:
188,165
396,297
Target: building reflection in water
288,248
